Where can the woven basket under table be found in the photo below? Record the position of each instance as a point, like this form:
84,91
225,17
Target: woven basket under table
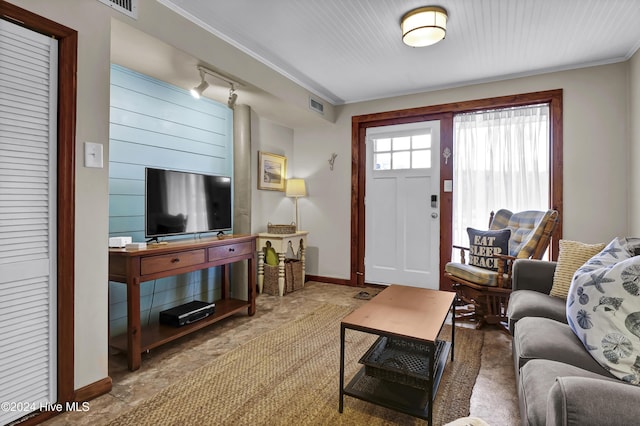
293,275
400,361
270,283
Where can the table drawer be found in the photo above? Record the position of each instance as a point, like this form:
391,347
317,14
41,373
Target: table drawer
230,250
168,262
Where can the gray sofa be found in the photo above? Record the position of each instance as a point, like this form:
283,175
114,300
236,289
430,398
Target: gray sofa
558,382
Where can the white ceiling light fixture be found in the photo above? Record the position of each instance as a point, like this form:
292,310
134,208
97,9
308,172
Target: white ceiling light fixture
197,91
424,26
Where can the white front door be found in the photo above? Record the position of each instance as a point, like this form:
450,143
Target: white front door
402,205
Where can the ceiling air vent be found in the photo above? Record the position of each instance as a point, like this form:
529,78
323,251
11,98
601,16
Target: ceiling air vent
316,105
128,7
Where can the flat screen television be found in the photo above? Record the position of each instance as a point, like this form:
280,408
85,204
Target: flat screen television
178,203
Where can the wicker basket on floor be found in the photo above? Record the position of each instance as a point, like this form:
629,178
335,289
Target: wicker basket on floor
293,275
270,283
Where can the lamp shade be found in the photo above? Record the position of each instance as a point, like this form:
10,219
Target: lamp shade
424,26
296,188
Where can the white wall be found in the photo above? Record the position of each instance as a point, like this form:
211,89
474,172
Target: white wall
326,211
595,152
269,206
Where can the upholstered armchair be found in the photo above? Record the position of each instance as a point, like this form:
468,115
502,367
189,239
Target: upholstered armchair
482,278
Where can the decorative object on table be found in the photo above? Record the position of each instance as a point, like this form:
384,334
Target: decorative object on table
272,169
296,188
281,229
119,242
270,255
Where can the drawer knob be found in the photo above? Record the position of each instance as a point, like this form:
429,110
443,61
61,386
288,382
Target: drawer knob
232,249
175,260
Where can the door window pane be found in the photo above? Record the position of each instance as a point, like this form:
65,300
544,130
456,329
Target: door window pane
421,141
400,144
403,152
382,145
382,161
421,159
401,160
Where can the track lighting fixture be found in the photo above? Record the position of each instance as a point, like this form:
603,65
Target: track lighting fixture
197,91
233,97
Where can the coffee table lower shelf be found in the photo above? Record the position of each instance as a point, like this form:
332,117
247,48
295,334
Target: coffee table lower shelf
396,396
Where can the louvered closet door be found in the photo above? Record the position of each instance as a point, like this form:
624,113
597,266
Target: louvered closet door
28,99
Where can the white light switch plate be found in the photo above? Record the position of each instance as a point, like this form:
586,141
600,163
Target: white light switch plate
93,155
448,185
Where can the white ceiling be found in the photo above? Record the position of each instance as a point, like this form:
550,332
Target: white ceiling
351,50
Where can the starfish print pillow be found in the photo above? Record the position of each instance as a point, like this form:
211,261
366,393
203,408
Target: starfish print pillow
603,308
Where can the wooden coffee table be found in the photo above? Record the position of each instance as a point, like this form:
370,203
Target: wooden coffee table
411,317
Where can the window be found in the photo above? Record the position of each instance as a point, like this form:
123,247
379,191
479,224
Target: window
501,160
402,152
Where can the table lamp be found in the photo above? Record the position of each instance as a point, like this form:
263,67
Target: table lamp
296,188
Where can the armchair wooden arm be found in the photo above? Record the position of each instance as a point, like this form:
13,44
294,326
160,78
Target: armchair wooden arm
505,268
462,250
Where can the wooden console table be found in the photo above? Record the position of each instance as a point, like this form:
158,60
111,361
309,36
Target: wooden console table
177,257
281,243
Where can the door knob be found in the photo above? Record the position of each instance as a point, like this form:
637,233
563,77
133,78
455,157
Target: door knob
434,215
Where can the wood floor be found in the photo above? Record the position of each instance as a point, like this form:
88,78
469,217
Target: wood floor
494,397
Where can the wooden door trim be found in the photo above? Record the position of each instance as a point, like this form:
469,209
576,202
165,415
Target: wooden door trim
67,88
445,113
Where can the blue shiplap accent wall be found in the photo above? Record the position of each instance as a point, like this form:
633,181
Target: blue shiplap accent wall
155,124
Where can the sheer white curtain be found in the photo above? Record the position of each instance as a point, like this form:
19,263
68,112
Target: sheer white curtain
500,160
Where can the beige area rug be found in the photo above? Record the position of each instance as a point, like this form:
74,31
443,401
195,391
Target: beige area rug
290,376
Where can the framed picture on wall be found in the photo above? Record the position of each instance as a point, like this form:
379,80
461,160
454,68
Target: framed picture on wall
272,171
